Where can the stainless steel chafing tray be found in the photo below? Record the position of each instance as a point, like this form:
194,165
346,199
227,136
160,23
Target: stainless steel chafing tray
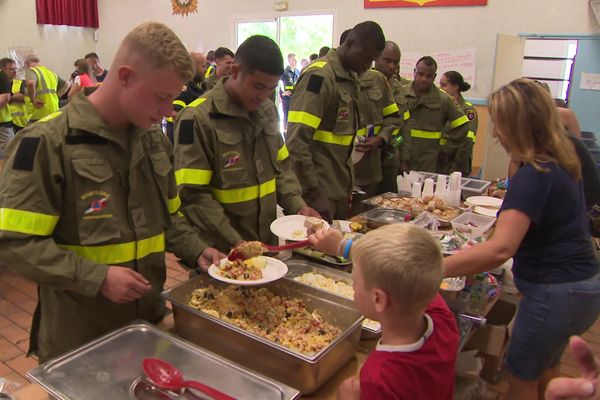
298,267
304,372
111,368
379,217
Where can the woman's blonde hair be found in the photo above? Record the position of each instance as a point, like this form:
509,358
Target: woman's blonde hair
402,259
527,124
160,47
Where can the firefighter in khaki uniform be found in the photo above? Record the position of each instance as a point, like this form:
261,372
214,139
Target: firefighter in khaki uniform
88,200
379,125
394,157
430,109
323,120
454,84
232,165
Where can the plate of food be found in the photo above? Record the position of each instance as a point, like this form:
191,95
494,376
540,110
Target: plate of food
297,227
248,272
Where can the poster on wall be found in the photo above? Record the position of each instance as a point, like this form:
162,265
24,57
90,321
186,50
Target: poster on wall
423,3
461,60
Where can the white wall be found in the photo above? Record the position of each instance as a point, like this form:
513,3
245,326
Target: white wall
415,29
57,46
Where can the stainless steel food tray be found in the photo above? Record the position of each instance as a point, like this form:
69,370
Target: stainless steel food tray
111,368
304,372
297,267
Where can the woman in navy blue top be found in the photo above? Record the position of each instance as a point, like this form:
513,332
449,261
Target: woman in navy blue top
542,224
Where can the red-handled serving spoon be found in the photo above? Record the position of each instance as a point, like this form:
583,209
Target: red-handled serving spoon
167,376
235,255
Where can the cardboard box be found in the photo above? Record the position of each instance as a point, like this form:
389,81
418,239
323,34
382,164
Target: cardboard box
492,339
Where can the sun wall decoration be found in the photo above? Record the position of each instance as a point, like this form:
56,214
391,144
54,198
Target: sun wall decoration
184,7
422,3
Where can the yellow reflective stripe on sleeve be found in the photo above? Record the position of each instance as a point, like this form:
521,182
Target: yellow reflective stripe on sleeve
329,137
51,116
459,121
469,103
173,204
406,115
169,119
443,141
112,254
27,222
197,102
288,87
363,131
282,153
317,64
302,117
471,135
425,134
191,176
395,132
392,108
179,103
231,196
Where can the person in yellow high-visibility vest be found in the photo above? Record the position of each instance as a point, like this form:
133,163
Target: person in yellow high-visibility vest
44,87
16,105
8,71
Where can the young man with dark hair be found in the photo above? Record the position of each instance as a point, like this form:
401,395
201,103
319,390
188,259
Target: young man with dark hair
393,159
94,61
430,110
323,120
232,165
223,62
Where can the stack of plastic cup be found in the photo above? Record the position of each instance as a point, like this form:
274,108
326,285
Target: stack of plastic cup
428,187
416,190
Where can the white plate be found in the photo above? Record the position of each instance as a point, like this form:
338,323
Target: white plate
291,227
275,269
484,201
488,212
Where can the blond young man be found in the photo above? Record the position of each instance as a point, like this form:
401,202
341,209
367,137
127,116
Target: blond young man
89,202
397,272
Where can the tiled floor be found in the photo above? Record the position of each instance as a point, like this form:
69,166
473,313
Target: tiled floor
19,296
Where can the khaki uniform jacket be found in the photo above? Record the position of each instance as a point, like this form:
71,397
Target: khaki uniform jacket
232,169
428,117
378,108
322,124
460,157
400,88
76,197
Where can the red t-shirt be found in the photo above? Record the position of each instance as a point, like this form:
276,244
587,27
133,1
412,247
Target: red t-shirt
422,370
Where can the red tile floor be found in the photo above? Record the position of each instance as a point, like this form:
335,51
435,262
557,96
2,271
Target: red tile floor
19,296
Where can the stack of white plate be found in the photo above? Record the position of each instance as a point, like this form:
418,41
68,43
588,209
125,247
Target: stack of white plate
484,205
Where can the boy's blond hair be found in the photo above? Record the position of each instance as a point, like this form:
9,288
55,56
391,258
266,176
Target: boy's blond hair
402,259
160,47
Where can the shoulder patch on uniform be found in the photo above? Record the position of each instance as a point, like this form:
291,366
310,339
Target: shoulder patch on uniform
85,139
25,155
186,131
314,84
214,115
471,115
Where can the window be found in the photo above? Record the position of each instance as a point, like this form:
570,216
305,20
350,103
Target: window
550,61
302,35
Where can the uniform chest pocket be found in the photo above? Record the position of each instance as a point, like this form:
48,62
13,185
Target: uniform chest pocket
161,165
231,159
374,94
345,119
96,195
